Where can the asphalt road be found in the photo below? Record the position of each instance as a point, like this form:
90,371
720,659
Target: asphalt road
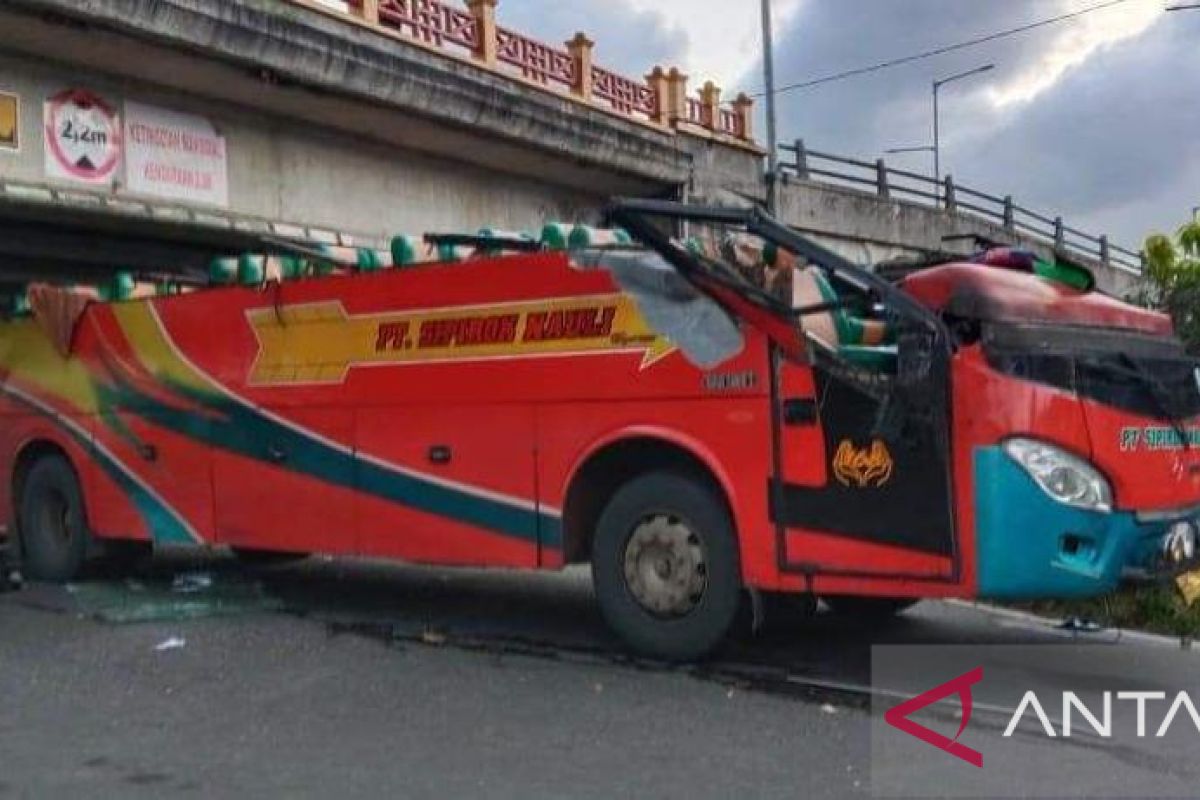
361,680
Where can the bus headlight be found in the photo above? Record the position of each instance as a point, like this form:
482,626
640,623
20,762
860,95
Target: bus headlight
1065,477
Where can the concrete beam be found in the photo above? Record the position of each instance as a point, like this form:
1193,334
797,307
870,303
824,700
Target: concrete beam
868,228
282,58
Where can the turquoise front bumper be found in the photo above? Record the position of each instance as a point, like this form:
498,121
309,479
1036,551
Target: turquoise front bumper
1031,546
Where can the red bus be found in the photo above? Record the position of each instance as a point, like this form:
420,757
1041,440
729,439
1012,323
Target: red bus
722,407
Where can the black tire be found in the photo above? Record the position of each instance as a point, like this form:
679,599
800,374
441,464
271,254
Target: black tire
257,559
869,609
54,534
684,636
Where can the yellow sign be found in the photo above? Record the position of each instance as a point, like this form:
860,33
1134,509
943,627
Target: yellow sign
320,342
868,467
10,121
1189,587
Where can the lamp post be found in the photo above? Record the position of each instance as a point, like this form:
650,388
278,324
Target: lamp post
925,148
772,136
937,141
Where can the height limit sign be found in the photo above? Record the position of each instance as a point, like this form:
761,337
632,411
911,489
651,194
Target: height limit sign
83,138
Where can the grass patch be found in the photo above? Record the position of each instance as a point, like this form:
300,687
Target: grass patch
1157,609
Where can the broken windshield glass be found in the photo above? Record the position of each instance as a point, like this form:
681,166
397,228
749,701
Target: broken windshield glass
703,331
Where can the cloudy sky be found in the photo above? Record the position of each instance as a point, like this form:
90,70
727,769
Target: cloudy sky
1097,118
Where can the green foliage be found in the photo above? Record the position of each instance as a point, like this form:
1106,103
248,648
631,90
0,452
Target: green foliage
1173,270
1155,608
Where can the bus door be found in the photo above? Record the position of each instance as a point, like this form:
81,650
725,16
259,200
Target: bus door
861,476
862,484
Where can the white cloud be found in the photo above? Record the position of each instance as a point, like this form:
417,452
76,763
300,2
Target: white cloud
724,38
1074,45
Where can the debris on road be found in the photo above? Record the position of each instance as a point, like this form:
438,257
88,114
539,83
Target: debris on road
10,575
1081,625
192,582
432,637
10,580
185,596
173,643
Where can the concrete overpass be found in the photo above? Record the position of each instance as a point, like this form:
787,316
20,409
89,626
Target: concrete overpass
350,122
871,212
332,126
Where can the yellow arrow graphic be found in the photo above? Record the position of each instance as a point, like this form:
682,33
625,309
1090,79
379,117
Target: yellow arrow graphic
320,342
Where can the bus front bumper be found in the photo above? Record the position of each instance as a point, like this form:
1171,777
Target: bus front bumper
1029,546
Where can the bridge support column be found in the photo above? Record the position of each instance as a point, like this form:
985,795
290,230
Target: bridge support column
743,106
950,195
582,51
661,84
484,12
802,160
368,10
677,95
710,98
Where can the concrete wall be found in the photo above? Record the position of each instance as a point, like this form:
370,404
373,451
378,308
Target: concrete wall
335,126
297,173
867,229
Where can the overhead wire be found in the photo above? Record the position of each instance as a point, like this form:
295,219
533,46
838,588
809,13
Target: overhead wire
963,45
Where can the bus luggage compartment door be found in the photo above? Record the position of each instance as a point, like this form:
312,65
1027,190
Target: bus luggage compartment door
289,484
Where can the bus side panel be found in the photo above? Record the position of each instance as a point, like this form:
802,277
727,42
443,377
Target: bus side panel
110,509
113,511
286,481
449,484
730,435
10,418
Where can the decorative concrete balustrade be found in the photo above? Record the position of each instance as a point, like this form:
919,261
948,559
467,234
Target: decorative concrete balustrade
470,31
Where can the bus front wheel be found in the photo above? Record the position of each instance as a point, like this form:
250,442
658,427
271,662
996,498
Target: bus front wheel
54,534
665,566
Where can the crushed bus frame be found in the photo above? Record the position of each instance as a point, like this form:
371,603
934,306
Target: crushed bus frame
693,415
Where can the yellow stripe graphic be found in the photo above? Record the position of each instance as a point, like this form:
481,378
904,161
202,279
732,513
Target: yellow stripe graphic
320,342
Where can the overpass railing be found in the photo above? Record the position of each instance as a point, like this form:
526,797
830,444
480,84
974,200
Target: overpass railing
469,31
889,182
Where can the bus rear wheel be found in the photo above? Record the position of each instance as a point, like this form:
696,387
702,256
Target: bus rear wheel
54,534
665,567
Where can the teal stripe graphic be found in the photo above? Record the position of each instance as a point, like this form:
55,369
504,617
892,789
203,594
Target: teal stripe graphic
241,429
162,522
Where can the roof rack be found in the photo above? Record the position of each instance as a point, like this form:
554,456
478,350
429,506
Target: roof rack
524,245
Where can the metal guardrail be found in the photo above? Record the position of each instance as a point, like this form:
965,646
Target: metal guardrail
889,182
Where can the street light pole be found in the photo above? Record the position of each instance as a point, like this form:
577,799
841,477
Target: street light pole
925,148
937,134
772,135
937,149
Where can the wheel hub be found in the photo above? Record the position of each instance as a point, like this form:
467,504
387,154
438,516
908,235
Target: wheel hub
665,566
